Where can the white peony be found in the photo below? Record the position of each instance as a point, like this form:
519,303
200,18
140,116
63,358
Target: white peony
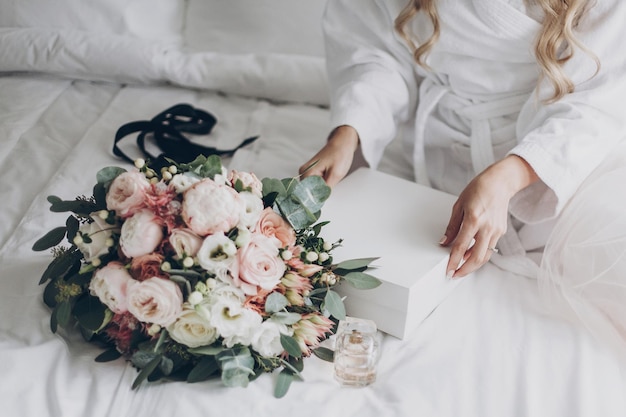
99,231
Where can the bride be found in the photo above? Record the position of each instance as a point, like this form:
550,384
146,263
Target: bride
514,107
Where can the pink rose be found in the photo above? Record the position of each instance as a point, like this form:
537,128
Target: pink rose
259,265
155,300
126,193
249,181
185,242
271,224
209,208
141,234
110,284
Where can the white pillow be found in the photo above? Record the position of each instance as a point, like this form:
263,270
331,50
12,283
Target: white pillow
255,26
146,19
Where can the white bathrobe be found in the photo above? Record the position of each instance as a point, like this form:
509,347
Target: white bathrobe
479,102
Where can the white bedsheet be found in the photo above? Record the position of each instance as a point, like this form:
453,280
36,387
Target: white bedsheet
488,350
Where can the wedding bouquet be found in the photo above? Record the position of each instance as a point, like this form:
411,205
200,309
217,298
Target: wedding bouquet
191,271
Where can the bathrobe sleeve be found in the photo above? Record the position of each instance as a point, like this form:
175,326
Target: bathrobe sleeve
373,86
565,141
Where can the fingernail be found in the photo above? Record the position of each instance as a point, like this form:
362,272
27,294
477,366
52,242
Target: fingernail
443,239
450,274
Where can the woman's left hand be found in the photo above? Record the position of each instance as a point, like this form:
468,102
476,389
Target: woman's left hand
479,216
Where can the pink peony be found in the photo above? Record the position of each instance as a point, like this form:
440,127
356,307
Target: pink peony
248,180
141,234
271,224
210,208
259,265
155,300
110,284
127,193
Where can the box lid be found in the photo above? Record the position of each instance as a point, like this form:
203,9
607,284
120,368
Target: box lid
379,215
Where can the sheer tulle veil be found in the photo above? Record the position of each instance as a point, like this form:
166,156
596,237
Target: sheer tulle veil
583,272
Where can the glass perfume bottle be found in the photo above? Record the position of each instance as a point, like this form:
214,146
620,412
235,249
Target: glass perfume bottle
356,352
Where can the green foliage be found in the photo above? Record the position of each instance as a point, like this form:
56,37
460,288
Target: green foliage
334,305
275,302
290,345
324,354
50,239
204,369
204,167
108,174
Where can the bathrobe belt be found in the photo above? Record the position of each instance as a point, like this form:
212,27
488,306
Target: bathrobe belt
481,150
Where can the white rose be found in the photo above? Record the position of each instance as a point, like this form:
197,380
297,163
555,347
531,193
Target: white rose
183,182
185,242
110,285
141,234
235,323
155,300
211,208
253,207
217,254
260,265
192,330
99,231
266,339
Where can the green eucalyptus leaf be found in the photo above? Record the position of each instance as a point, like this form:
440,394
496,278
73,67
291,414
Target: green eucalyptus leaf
353,264
81,207
50,239
311,192
361,280
99,194
142,358
108,355
52,199
207,350
236,368
298,215
275,302
290,345
108,174
50,293
146,371
90,312
72,226
324,353
53,321
284,380
287,318
166,365
273,186
63,313
204,369
61,265
334,305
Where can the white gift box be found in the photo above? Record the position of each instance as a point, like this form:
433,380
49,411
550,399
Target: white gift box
379,215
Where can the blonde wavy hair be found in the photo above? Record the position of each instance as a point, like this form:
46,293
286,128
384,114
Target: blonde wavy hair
554,45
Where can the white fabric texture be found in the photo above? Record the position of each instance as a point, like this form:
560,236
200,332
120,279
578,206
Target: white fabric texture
160,20
489,349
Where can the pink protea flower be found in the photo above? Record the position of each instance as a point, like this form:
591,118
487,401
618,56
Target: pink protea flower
161,200
295,287
310,331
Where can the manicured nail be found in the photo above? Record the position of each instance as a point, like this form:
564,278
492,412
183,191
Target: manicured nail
443,239
450,274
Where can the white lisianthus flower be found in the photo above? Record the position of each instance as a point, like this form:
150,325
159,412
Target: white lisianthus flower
192,330
195,297
266,339
235,323
217,254
253,207
243,237
99,231
183,182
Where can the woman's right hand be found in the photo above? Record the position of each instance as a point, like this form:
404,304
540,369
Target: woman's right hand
334,160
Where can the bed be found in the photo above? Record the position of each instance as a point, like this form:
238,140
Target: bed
73,72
